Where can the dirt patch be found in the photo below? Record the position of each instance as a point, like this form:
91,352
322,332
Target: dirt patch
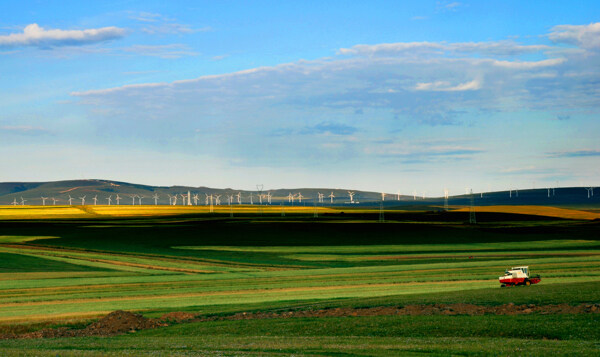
419,310
177,316
115,323
120,322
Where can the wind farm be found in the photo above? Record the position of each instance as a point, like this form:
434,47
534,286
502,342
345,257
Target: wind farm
280,178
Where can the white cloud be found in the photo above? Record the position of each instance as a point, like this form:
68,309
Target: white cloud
492,48
34,35
584,36
443,86
531,64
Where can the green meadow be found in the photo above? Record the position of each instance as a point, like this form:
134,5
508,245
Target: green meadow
68,272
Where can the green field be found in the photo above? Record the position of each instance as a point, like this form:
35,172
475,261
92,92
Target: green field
64,272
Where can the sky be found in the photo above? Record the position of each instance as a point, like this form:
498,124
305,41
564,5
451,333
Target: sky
394,96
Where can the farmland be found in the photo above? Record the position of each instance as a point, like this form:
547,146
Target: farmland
76,264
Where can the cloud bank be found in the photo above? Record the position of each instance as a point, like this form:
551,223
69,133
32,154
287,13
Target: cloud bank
34,35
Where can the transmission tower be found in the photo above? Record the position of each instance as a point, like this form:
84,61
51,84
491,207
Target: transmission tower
472,219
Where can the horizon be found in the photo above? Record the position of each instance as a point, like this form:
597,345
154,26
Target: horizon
381,96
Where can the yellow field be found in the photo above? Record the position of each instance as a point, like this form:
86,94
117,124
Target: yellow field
49,212
40,212
537,211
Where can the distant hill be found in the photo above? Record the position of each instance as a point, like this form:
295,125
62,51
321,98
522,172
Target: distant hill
32,192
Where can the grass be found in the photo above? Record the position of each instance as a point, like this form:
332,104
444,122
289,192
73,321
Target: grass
211,264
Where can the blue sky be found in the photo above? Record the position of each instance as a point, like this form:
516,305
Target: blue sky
378,95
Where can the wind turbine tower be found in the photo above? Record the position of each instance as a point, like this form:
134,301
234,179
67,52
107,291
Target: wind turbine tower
291,198
23,201
331,196
189,199
239,198
446,199
133,200
95,200
300,197
140,199
44,200
382,196
155,196
196,198
82,200
472,219
70,200
118,198
54,201
109,199
14,202
351,194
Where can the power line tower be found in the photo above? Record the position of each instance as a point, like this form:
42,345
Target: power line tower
381,217
472,219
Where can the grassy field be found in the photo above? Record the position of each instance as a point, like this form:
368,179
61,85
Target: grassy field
67,271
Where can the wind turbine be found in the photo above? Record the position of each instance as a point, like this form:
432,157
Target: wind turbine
300,197
446,192
260,197
133,199
332,196
383,196
230,199
109,199
183,197
269,197
196,198
174,199
70,200
351,194
590,191
14,203
140,199
82,200
189,199
54,201
95,200
23,201
206,201
290,198
155,196
321,197
44,200
217,200
239,198
118,198
251,199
